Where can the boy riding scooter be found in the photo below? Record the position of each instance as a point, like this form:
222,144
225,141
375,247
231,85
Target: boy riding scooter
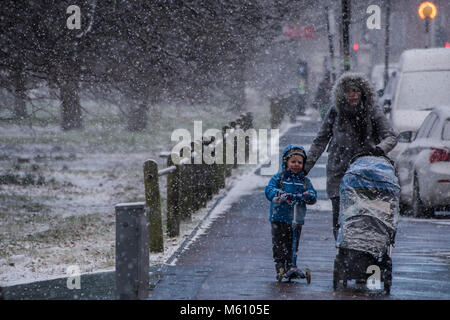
289,191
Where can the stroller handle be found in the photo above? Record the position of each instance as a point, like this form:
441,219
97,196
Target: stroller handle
368,153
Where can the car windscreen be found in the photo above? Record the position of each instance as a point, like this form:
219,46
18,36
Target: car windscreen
424,90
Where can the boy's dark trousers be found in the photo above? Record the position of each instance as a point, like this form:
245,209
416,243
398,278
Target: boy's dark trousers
282,244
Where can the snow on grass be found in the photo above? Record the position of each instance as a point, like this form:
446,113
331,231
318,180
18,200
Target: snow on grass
70,220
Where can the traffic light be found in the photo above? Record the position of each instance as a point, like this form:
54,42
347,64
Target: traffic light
355,47
447,44
303,68
303,73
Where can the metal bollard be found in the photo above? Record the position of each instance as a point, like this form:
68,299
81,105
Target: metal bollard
207,173
153,201
227,167
215,186
220,168
132,253
249,120
182,196
173,205
233,125
199,179
185,195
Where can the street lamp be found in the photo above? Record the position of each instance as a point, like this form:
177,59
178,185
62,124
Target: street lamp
427,10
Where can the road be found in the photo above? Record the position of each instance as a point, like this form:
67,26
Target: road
233,259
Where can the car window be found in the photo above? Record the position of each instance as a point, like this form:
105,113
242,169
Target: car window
426,126
424,90
434,127
446,130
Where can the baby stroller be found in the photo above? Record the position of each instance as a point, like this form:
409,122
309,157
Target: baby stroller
369,209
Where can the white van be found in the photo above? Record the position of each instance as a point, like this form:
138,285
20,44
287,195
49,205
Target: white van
423,84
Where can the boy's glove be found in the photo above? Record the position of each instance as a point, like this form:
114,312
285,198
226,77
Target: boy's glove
282,197
298,197
309,198
289,197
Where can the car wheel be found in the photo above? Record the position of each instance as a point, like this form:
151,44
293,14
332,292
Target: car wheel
419,210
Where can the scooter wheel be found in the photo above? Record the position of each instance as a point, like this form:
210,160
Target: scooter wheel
308,276
280,275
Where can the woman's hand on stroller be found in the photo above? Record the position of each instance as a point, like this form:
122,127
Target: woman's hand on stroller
377,151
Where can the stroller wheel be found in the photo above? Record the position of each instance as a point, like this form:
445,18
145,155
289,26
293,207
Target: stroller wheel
387,287
335,276
388,277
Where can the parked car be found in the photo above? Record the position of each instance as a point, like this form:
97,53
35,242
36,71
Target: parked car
385,101
423,84
377,75
424,165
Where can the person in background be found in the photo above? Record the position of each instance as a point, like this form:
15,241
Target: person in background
322,101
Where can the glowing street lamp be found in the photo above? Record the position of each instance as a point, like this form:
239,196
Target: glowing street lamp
427,10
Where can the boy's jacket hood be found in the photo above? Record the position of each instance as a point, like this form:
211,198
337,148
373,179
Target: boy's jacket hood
288,148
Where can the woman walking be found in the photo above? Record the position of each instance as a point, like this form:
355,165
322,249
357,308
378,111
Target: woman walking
352,125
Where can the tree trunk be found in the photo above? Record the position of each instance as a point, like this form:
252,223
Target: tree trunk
238,87
71,115
137,118
20,111
235,87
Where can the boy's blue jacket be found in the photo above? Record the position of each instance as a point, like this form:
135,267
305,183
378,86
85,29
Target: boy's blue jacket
291,184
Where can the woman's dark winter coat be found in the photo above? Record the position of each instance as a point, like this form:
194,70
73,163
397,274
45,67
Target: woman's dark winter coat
350,130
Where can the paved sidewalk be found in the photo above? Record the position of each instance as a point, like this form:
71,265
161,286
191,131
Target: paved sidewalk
233,259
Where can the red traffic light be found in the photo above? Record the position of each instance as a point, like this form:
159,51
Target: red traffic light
447,44
355,47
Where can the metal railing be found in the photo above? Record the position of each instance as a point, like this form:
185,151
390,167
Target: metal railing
189,186
139,226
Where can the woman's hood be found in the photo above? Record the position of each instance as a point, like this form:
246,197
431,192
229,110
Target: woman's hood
347,80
